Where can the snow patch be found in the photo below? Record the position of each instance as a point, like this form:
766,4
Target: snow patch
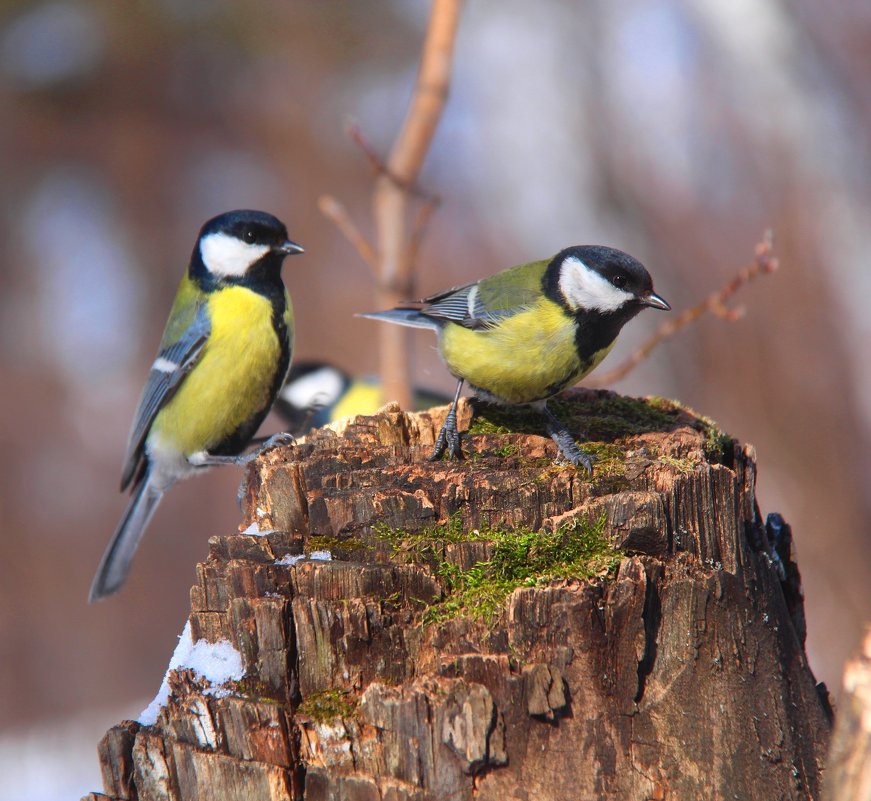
321,556
216,662
255,531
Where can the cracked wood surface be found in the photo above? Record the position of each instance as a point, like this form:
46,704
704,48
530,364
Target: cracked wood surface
680,676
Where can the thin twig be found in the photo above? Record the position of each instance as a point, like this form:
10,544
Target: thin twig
335,211
715,303
380,167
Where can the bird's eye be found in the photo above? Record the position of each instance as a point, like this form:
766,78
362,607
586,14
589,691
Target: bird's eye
619,281
250,237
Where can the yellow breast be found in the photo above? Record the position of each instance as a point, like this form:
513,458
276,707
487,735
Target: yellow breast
234,378
527,357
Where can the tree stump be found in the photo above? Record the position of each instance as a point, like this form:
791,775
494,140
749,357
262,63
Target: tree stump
475,634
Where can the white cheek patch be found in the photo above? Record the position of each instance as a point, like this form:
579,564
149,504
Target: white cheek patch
584,288
318,388
227,256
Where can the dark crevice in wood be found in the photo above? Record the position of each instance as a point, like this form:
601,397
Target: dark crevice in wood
652,617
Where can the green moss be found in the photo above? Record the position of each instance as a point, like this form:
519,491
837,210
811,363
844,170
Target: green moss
612,416
485,424
681,465
254,690
665,405
601,417
521,558
505,451
451,530
718,444
333,544
328,705
427,546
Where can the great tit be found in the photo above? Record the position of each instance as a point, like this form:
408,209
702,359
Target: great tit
317,393
526,333
225,353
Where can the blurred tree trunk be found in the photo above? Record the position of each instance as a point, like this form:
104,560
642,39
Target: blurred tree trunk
680,673
849,772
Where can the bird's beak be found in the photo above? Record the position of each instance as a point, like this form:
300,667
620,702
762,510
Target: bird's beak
289,248
654,301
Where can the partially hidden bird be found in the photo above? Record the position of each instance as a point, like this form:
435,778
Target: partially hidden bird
317,393
528,332
225,353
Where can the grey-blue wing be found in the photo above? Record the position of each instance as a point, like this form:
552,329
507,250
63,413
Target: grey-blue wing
169,369
463,305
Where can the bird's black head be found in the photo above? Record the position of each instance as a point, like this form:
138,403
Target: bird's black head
598,279
242,246
309,394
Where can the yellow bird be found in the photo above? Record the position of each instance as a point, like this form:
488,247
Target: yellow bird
526,333
224,354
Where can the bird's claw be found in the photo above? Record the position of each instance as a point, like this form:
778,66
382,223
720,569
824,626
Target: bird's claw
242,492
577,457
282,439
448,440
568,448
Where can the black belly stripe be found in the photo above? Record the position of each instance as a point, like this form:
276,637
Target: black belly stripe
268,284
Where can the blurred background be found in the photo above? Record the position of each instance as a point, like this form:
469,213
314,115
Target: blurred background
677,130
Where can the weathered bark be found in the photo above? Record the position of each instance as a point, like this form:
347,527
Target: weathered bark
679,675
849,772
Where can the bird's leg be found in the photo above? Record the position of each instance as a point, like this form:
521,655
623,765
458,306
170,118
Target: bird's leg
449,438
206,459
568,448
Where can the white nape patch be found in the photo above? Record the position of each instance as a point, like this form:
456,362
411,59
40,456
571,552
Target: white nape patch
319,388
318,556
216,662
224,255
584,288
164,365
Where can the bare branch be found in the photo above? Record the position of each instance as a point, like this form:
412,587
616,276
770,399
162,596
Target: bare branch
380,168
393,257
715,303
335,211
391,195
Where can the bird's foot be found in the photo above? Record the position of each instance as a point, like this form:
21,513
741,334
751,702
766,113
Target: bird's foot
568,448
275,441
206,459
448,439
570,451
280,440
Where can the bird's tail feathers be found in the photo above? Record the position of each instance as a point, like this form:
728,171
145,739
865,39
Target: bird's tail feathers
408,317
116,561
